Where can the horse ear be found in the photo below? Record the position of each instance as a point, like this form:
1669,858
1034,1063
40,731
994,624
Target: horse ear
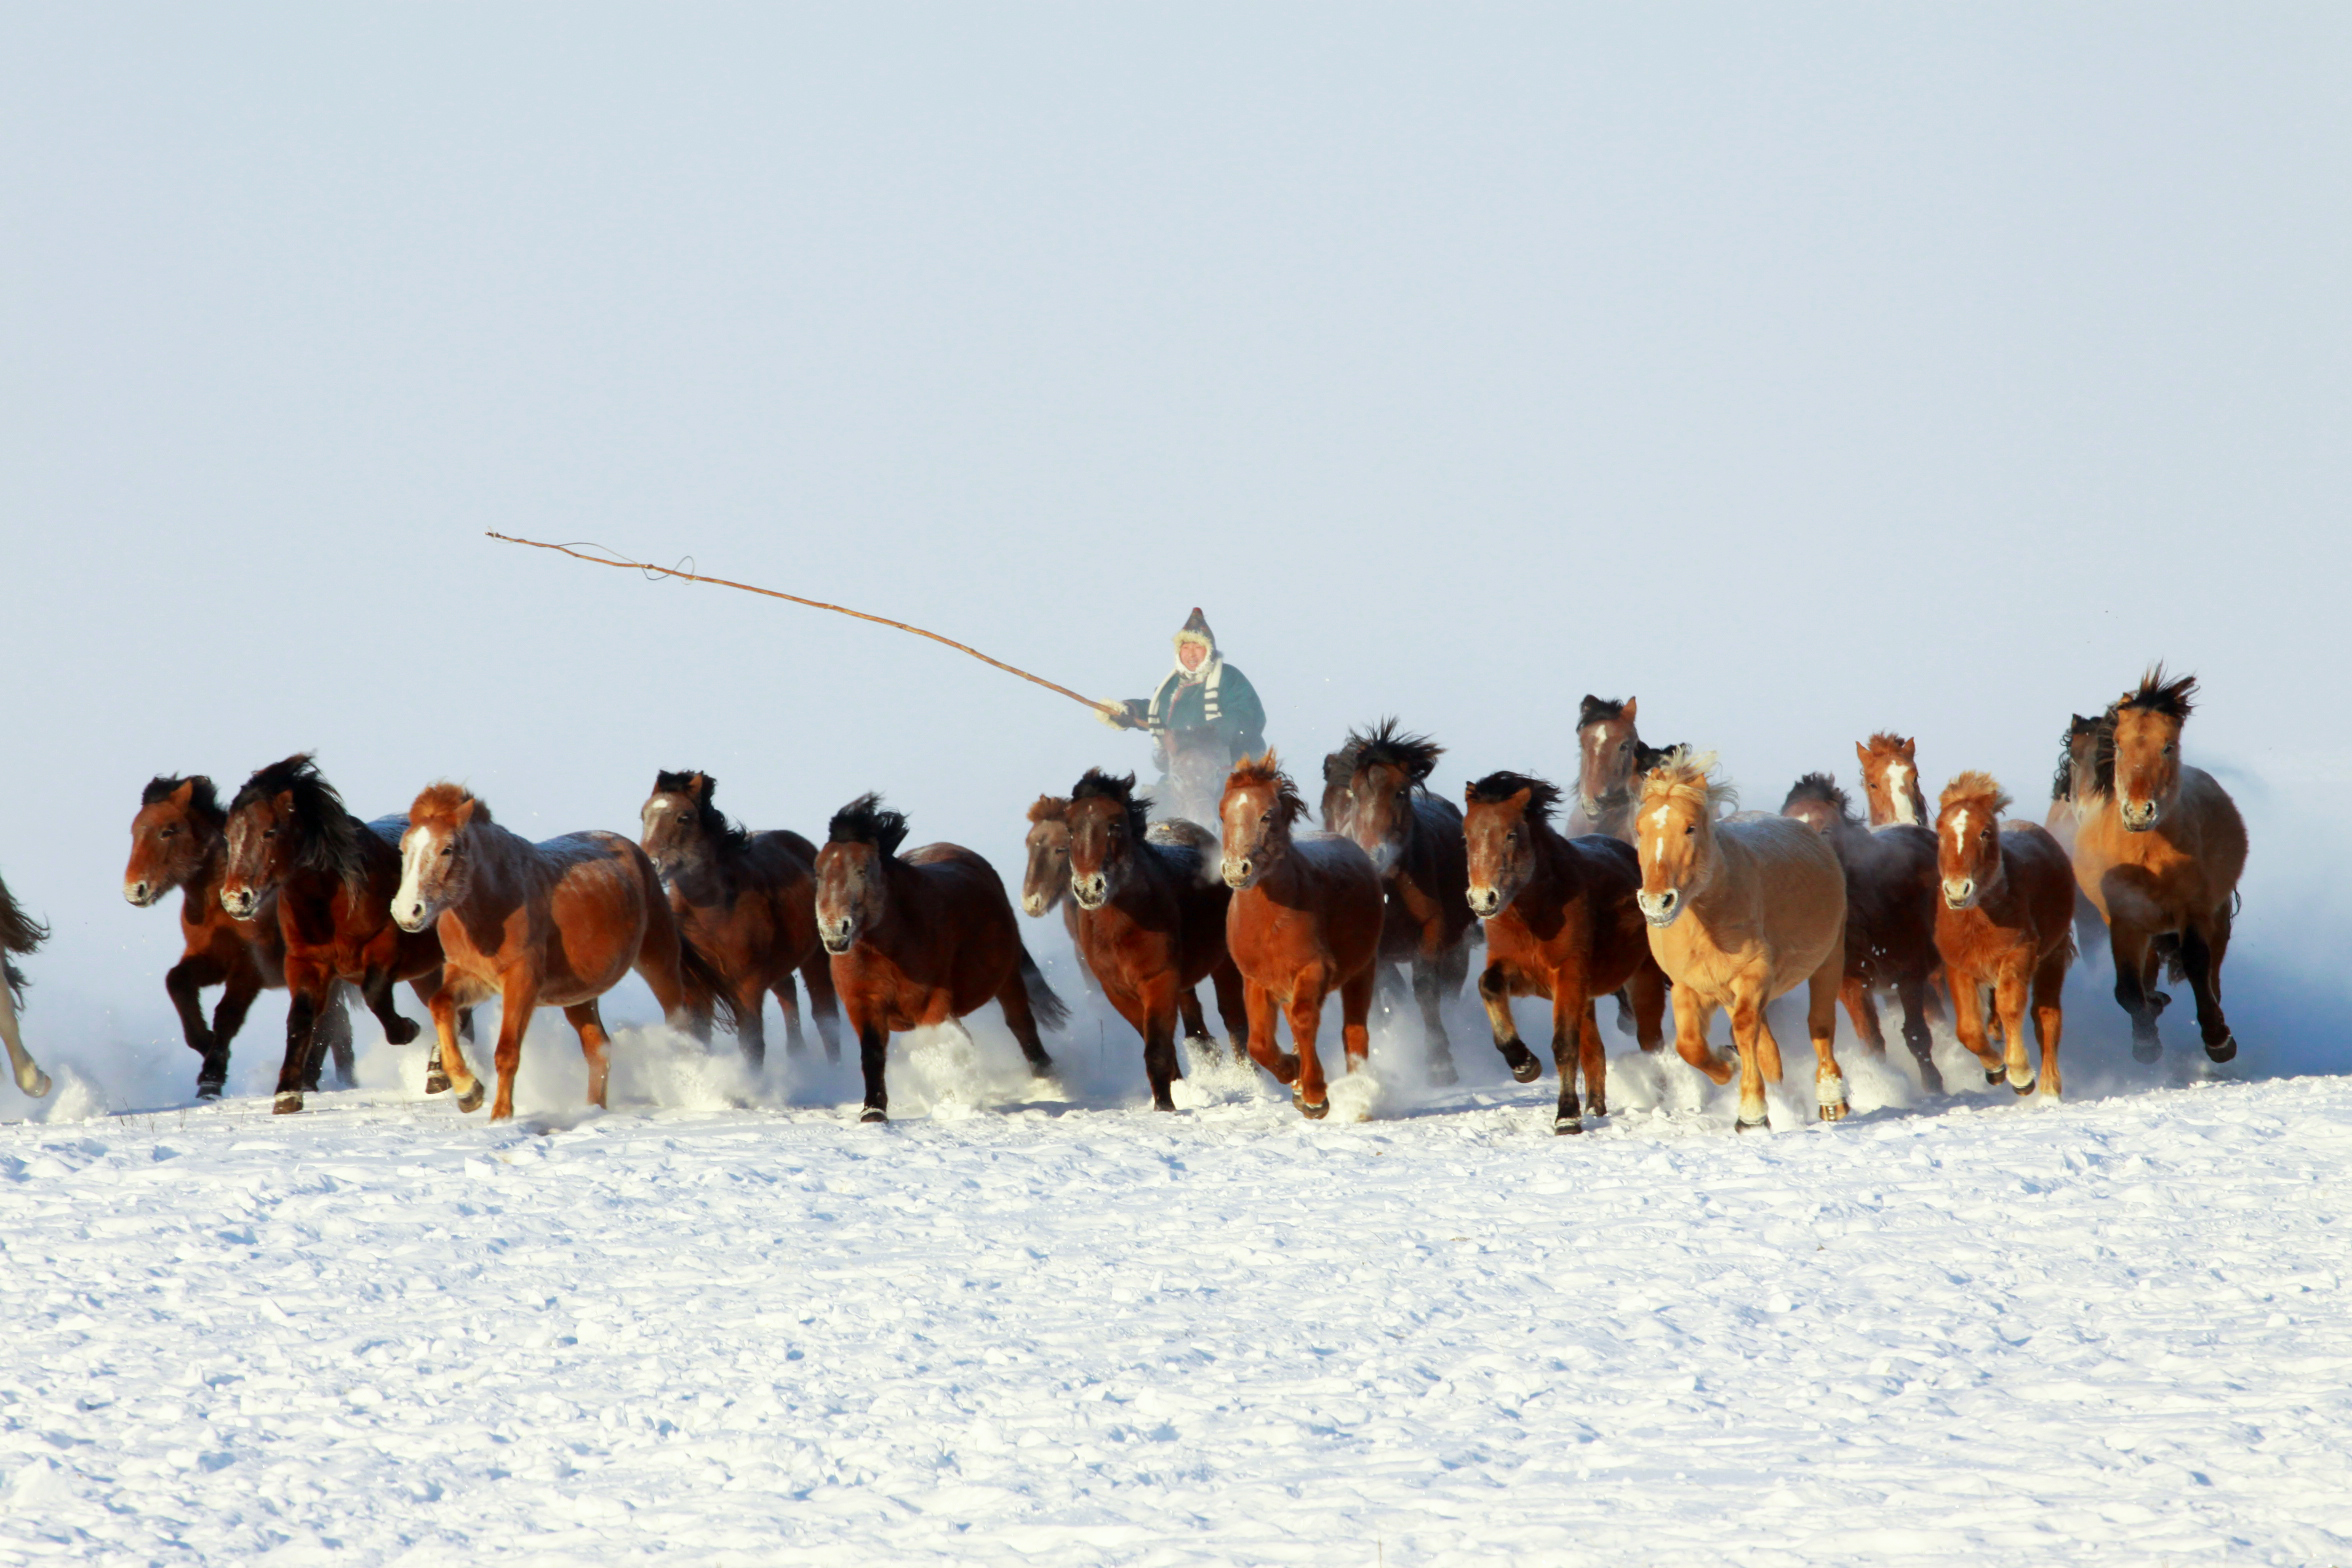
1863,752
284,803
1631,703
1911,749
468,810
1519,801
185,793
700,787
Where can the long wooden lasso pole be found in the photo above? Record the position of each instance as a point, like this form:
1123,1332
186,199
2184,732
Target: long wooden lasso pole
1109,708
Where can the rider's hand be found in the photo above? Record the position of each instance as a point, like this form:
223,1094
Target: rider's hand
1115,718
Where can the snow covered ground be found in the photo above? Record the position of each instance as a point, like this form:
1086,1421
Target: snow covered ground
723,1324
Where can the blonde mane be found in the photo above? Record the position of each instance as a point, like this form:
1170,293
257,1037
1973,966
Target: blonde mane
1685,777
440,802
1974,786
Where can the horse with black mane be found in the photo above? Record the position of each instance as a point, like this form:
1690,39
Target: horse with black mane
20,934
1610,757
919,940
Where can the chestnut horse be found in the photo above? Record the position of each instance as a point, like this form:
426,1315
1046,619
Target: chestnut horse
1890,780
1611,757
748,902
1415,841
20,934
333,875
1741,910
1045,887
553,924
2160,857
1149,923
919,940
1890,915
2005,924
1561,922
179,840
1304,922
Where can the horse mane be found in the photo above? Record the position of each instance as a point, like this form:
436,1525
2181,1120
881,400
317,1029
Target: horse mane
203,800
1823,788
439,802
1098,785
710,821
2102,756
1595,709
1974,785
2172,698
1497,788
1647,756
1288,806
1050,808
1387,746
866,821
1886,740
1685,776
327,837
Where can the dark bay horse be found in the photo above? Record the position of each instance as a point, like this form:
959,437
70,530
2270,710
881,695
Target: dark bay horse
2160,857
919,940
1611,757
20,934
553,924
1150,922
748,902
2084,779
1304,922
1561,923
179,839
334,876
2004,925
1376,793
1890,915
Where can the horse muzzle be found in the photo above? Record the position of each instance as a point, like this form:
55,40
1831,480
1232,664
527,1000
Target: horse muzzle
141,894
412,916
838,937
1090,892
2139,818
1033,903
1960,893
1660,909
240,903
1485,902
1240,873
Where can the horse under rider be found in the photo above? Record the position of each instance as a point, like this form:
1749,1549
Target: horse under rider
1206,711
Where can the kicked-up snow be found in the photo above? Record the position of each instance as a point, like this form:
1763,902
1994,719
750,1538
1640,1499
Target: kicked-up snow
1046,1331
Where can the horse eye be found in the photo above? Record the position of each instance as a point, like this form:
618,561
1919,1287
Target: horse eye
171,831
269,832
1690,831
449,848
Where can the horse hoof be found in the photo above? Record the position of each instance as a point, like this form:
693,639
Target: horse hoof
2223,1049
210,1088
1567,1126
1995,1075
1760,1124
400,1031
2024,1088
472,1099
1525,1067
1041,1066
286,1104
436,1081
1313,1113
871,1115
1834,1113
1441,1071
2146,1051
37,1086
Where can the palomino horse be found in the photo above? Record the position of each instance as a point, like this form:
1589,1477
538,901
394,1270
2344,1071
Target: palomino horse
2160,858
20,933
748,902
1561,922
2005,924
1149,924
334,876
1304,922
1611,757
1890,915
920,940
1890,780
179,840
1741,910
1415,841
554,924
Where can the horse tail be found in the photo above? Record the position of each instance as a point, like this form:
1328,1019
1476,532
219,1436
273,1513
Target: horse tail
19,932
1050,1010
14,979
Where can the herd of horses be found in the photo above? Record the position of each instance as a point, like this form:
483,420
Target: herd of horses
1648,887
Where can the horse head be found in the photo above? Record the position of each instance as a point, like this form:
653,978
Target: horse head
1502,815
2147,747
1608,752
1047,850
436,866
1968,838
1107,820
1890,779
286,818
177,829
1384,769
1674,833
1259,805
853,873
682,829
1816,801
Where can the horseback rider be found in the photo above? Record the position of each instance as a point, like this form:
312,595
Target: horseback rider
1205,711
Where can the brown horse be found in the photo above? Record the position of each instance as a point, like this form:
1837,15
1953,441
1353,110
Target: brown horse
920,940
1740,911
748,902
1561,922
2005,924
1611,758
1150,923
2160,857
1304,922
1415,841
1890,915
554,924
20,934
179,840
333,875
1890,780
2084,779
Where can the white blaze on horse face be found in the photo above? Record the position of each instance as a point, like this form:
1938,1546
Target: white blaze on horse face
1898,783
418,850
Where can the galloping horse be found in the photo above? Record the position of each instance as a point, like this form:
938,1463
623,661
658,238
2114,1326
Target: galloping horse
919,940
1890,915
555,924
2084,779
1304,922
2160,857
1149,924
1610,757
334,876
748,902
1561,922
179,840
2005,922
1741,910
1890,780
20,934
1415,841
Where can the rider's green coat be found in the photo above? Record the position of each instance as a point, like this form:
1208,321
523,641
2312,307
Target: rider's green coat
1222,701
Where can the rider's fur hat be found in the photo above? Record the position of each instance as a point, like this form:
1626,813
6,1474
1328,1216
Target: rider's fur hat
1196,629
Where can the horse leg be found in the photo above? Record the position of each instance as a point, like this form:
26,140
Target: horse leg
238,990
1232,1006
1911,991
594,1043
1355,1008
1629,1020
29,1076
1494,989
2204,973
1188,1015
1440,1049
376,989
1571,1010
1968,1022
1014,999
2010,995
1690,1036
449,1059
873,1054
1747,1024
184,983
1821,994
824,1004
1310,1094
330,1037
428,987
518,999
1647,988
2049,1015
1156,1009
751,1024
1862,1007
748,1017
1260,1034
2129,947
307,986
